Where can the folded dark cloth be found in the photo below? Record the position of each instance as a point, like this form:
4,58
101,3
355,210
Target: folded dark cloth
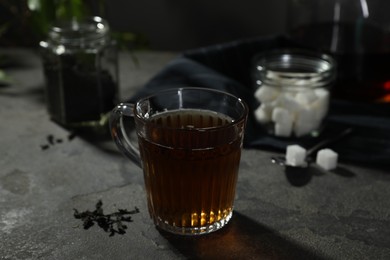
228,67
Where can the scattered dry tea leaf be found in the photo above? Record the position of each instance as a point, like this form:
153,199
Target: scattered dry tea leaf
114,223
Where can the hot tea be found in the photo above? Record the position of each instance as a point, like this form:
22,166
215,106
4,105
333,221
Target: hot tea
189,148
190,170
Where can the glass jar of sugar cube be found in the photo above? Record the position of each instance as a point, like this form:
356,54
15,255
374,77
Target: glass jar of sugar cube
292,87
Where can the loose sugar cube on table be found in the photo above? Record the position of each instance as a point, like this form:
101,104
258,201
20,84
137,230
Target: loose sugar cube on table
295,155
327,159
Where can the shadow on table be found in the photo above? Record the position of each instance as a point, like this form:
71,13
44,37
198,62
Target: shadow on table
100,136
299,177
242,238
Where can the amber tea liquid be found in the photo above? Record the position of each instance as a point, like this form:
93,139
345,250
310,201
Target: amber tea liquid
190,160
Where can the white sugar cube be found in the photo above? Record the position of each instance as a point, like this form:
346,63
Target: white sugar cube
322,93
320,108
284,121
263,114
295,155
321,104
268,106
266,93
287,101
306,97
305,122
284,128
273,75
327,159
292,110
280,114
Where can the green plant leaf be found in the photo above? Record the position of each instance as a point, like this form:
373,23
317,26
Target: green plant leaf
34,5
3,28
4,78
70,9
42,17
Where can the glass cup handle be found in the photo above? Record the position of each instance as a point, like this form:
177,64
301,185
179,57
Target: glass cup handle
118,132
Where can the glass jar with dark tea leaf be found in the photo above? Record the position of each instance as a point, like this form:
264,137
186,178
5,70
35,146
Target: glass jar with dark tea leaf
81,71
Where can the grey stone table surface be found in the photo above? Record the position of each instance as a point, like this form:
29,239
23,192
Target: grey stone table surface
332,216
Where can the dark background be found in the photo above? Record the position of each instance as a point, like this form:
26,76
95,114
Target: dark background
167,24
179,25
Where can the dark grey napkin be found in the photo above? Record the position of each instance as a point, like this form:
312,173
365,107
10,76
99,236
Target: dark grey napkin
228,67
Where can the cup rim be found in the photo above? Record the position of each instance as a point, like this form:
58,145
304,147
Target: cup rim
241,118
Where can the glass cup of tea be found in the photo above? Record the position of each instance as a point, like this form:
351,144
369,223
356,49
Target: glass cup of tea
189,147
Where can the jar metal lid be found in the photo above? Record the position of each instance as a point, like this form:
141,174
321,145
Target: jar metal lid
294,68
